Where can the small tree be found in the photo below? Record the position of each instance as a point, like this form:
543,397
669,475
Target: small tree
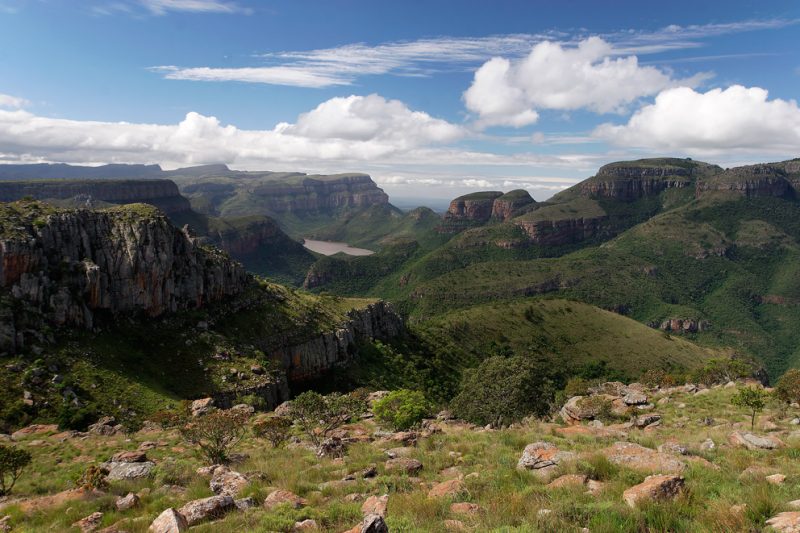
12,462
401,409
317,415
788,387
752,399
273,428
722,371
216,434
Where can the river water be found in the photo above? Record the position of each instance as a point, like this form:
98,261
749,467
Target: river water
330,248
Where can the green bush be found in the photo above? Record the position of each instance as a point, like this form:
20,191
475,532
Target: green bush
717,371
93,478
276,429
12,462
752,399
787,389
216,434
402,409
503,390
317,415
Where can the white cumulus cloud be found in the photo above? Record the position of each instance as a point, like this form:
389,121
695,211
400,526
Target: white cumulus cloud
14,102
587,76
356,128
738,118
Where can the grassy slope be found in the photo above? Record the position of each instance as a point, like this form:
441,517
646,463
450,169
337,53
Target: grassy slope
509,500
144,365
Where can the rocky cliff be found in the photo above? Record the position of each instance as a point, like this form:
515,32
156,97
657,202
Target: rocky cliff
549,232
311,359
163,194
68,265
770,179
511,204
320,193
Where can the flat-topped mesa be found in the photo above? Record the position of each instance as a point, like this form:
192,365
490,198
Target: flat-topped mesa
762,180
472,208
570,222
321,193
511,204
67,265
163,194
631,180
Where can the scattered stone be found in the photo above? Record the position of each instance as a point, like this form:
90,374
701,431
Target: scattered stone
394,453
35,429
125,503
210,508
707,445
750,441
646,420
447,489
332,447
147,445
638,457
594,487
119,471
404,465
769,426
794,504
634,398
202,406
369,472
658,487
284,497
672,446
169,521
244,504
243,408
89,523
454,525
129,457
306,525
590,431
544,513
542,458
375,505
465,508
776,479
568,480
227,482
106,426
374,524
788,522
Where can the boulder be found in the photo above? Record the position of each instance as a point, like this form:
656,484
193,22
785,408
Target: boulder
244,504
374,524
129,501
658,487
35,429
106,426
638,457
542,458
405,451
375,505
332,447
743,439
447,489
404,465
788,522
646,420
306,525
284,497
120,471
776,479
674,447
210,508
575,410
169,521
634,398
454,525
202,406
89,523
129,457
227,482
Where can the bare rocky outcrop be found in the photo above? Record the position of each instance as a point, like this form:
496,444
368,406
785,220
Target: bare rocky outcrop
658,487
321,193
568,230
69,265
762,180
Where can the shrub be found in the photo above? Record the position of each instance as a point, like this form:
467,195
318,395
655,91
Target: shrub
167,418
216,434
401,409
752,399
12,462
93,478
503,390
577,386
317,415
787,389
273,428
717,371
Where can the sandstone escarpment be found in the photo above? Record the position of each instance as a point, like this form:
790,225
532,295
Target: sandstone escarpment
68,265
564,231
377,321
511,204
766,180
323,193
469,210
163,194
632,180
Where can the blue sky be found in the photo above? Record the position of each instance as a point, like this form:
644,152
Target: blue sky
432,98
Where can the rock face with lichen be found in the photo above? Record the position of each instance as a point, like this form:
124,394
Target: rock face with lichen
68,265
